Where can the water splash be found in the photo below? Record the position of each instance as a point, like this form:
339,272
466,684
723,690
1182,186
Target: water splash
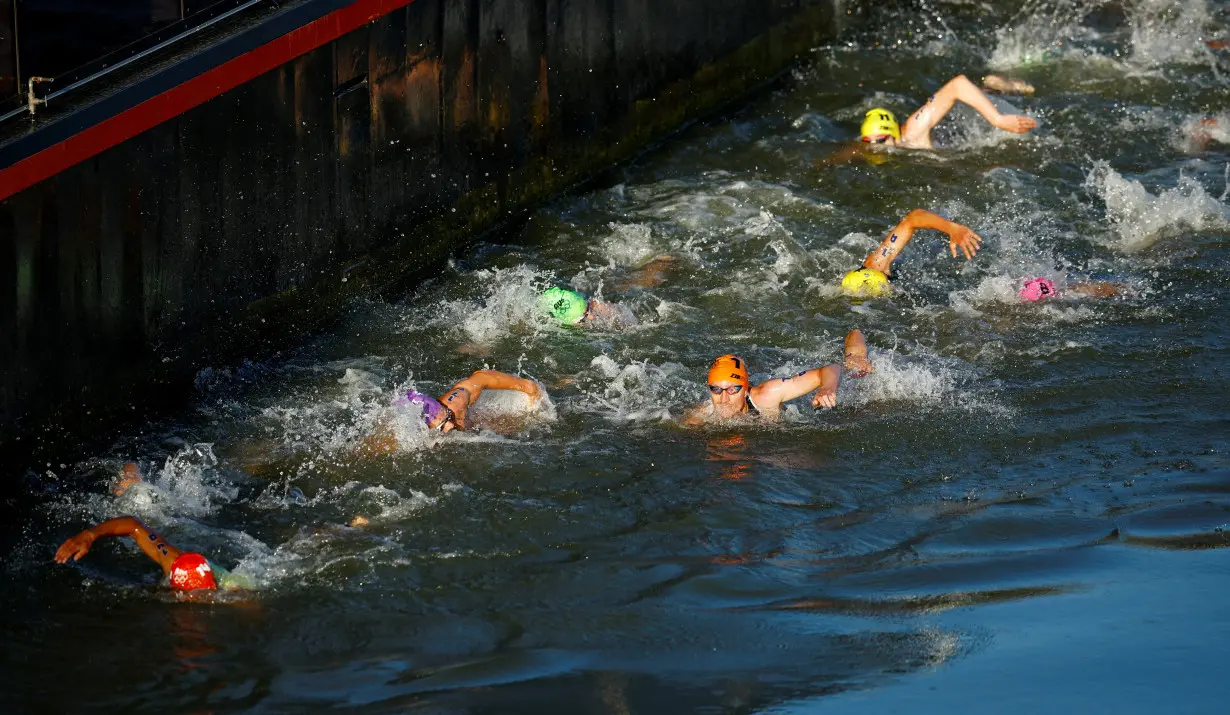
188,484
636,392
1044,31
509,300
1169,32
1140,219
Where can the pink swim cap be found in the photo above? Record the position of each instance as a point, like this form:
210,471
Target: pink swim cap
1037,289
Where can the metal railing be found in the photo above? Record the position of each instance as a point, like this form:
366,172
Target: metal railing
49,48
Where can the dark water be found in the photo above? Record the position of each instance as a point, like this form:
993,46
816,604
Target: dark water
1023,509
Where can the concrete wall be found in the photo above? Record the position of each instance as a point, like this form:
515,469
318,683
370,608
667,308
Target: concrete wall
357,166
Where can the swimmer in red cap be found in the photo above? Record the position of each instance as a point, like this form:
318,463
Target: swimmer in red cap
185,571
731,392
872,279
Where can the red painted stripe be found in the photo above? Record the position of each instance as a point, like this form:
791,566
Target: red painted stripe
195,92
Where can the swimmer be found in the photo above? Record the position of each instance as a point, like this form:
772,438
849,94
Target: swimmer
571,308
873,278
880,126
731,393
185,571
449,412
1036,289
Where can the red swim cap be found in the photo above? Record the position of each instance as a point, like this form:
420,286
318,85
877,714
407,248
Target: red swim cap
191,572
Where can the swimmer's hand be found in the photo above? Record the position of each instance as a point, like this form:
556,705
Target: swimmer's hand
859,365
825,397
76,547
965,239
129,475
1015,123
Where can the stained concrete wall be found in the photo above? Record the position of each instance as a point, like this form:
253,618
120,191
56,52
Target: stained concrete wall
357,166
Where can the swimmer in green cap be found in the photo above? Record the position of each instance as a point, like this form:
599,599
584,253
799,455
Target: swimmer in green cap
872,279
571,308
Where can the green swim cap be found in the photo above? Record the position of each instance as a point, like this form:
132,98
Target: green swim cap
565,305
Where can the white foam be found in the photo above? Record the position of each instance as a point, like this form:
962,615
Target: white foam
1169,32
509,301
636,392
188,484
1140,218
1043,31
629,244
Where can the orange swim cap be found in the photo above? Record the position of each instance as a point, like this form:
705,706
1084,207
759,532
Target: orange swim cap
191,572
729,367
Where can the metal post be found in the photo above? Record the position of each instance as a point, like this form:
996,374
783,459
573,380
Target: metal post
16,49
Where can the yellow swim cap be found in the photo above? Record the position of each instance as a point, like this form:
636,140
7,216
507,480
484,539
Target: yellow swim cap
880,122
865,283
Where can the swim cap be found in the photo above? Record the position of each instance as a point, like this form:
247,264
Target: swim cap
880,122
191,572
865,283
431,406
729,367
1037,289
564,305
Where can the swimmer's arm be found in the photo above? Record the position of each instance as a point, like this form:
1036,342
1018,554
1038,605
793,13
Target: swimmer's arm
960,88
1097,289
774,392
696,415
152,544
382,440
845,155
494,380
881,259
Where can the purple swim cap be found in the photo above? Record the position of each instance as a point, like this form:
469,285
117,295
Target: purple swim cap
1037,289
431,406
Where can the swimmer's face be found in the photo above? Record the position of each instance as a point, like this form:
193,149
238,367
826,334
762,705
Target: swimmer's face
446,422
886,139
729,397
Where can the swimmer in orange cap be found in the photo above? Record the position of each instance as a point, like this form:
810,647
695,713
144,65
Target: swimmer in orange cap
731,392
185,571
873,278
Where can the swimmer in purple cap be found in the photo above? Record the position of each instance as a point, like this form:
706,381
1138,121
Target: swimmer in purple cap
1036,289
449,412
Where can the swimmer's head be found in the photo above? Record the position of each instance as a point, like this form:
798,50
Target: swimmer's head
878,125
728,385
567,306
865,283
192,572
1037,289
434,413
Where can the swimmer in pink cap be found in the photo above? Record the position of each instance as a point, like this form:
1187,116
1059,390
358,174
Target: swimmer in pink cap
185,571
1036,289
449,412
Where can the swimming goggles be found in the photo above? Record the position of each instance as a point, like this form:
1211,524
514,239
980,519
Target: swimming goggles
732,390
451,418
